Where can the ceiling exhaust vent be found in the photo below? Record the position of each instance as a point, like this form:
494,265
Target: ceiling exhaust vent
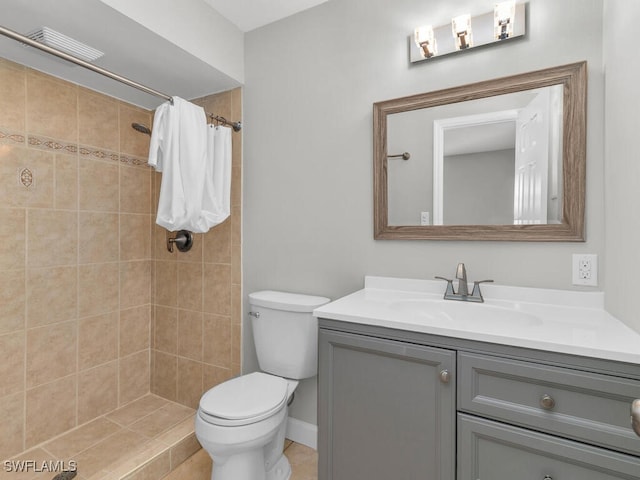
54,39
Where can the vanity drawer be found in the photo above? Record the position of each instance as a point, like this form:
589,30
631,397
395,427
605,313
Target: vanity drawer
489,450
585,406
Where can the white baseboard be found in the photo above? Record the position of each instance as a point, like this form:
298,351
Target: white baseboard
302,432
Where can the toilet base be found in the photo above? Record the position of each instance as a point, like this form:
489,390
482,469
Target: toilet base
250,466
281,470
249,452
246,466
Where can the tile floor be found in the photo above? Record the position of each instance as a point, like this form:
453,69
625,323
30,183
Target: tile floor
303,460
148,439
304,464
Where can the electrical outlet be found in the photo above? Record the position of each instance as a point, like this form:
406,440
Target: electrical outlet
424,218
585,269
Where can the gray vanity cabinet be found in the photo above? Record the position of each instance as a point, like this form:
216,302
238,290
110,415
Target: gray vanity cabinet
386,409
403,405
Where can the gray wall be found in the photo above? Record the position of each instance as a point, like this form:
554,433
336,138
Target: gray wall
311,80
410,182
478,188
622,172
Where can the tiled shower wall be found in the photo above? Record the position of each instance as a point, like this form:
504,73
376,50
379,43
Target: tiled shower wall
75,256
94,312
196,338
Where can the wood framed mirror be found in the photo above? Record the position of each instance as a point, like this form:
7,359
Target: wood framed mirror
502,159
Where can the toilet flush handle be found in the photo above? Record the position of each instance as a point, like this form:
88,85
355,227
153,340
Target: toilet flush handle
255,314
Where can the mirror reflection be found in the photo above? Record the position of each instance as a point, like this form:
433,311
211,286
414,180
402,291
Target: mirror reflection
490,161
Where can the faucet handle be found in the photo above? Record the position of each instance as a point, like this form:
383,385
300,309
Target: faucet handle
476,289
449,290
442,278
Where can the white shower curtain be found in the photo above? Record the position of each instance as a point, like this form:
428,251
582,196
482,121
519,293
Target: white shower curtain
195,161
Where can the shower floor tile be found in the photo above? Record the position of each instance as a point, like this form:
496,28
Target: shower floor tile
146,439
81,438
137,410
161,420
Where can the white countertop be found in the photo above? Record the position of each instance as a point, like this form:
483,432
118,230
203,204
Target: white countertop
552,320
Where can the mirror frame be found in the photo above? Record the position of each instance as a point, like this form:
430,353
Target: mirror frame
573,77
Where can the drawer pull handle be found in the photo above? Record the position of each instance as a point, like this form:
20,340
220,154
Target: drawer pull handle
445,376
635,416
547,402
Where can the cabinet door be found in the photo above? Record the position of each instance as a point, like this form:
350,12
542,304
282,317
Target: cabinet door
489,450
386,410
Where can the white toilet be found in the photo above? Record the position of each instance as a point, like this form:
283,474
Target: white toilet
242,422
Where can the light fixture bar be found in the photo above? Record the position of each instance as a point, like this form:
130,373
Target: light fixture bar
451,38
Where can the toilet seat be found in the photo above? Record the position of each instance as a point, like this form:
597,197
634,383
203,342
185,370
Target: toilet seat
244,400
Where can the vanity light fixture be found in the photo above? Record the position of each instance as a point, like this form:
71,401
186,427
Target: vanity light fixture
461,26
503,17
504,23
426,41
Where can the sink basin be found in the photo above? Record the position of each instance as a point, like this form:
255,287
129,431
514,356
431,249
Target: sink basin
463,315
570,322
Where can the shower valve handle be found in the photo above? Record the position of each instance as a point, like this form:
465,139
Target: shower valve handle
183,240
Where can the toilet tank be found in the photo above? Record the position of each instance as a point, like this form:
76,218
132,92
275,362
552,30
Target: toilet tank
285,332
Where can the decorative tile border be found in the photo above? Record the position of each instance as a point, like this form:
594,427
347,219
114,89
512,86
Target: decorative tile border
91,152
135,161
7,136
44,143
84,151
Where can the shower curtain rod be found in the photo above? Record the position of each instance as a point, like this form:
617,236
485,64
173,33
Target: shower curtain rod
102,71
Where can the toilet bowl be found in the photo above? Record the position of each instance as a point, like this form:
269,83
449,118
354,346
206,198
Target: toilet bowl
241,423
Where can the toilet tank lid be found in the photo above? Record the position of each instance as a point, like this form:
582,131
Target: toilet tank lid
291,302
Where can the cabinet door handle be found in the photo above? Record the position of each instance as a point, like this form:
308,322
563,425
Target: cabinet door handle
445,376
635,416
547,402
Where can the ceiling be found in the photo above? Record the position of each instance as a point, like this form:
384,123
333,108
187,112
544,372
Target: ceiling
131,50
251,14
480,138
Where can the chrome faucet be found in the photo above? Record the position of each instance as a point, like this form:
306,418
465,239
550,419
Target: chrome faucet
463,290
461,275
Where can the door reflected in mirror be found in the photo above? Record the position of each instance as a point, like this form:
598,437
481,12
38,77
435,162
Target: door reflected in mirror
492,161
496,160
